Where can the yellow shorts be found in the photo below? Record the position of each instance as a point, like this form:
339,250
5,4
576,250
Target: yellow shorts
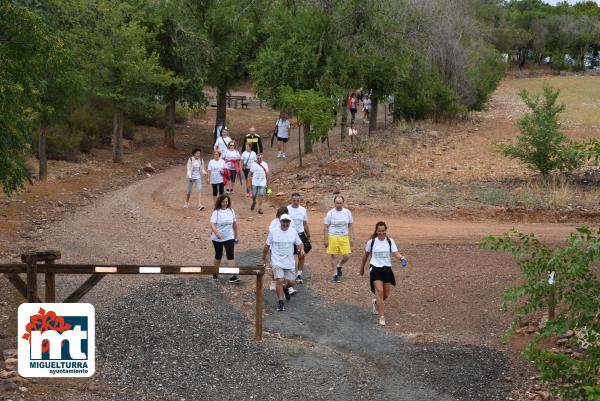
338,245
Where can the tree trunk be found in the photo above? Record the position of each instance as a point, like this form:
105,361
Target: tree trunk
307,141
300,145
221,104
117,139
373,115
43,170
344,120
169,138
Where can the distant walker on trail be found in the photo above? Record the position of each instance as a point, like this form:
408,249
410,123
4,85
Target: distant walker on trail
254,140
283,134
195,170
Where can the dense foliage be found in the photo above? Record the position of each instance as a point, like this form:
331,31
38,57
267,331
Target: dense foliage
568,278
77,72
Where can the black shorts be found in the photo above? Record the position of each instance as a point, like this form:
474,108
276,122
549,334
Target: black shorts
305,242
246,172
229,246
218,189
284,140
384,274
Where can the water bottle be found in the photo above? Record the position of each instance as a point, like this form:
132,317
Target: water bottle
403,262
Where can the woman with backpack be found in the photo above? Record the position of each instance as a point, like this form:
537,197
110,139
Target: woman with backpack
381,248
195,169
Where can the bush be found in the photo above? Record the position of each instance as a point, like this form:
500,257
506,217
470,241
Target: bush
541,146
153,115
424,95
566,277
61,143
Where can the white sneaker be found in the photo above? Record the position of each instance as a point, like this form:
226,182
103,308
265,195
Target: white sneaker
272,287
186,205
292,291
374,303
382,321
278,155
283,155
200,207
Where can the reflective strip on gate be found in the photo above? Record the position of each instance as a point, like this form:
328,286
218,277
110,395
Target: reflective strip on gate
190,270
144,269
105,269
229,270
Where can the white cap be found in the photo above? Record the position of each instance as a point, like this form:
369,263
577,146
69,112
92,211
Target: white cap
285,216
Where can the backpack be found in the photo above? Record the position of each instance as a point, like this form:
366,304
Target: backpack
373,241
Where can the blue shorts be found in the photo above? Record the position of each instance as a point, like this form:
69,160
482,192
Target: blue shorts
191,182
258,191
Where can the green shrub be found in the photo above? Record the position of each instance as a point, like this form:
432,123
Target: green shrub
61,143
541,146
484,71
566,277
153,115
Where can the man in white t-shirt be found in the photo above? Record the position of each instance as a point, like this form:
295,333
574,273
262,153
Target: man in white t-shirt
280,242
283,134
222,142
259,175
300,224
339,235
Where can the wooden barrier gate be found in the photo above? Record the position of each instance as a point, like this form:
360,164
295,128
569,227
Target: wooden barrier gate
31,267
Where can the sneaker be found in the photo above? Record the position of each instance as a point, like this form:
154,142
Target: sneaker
215,277
374,302
186,205
292,291
272,286
381,321
336,279
200,207
253,206
278,155
339,270
283,155
286,293
234,279
280,307
299,279
260,211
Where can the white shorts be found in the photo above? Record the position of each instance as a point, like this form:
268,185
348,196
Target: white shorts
288,274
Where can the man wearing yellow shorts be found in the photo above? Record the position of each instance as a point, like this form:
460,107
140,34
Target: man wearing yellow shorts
339,235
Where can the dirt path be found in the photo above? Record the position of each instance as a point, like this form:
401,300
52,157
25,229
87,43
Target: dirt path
442,341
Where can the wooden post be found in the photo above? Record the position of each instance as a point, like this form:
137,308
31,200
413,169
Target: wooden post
259,305
31,278
50,284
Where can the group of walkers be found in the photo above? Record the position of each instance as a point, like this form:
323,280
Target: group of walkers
288,241
354,101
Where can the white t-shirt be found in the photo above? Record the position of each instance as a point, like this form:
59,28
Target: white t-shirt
338,221
231,155
223,219
282,247
380,254
196,168
216,168
275,223
283,127
248,159
299,216
259,176
367,104
222,143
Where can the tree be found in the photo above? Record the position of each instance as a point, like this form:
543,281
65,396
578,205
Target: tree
183,50
564,279
122,70
26,46
541,146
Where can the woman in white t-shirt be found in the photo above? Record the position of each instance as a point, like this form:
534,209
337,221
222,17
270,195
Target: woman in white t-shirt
248,158
381,248
232,159
195,169
366,109
224,232
216,168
